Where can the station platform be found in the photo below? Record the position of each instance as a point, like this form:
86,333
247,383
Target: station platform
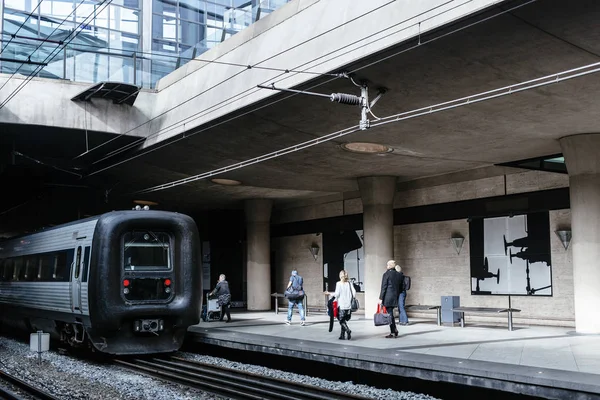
547,362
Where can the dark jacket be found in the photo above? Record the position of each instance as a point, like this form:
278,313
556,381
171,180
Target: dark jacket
222,293
401,282
390,288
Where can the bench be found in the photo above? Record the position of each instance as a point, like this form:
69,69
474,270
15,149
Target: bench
463,310
418,307
278,296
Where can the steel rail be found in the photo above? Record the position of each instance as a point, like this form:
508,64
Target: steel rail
30,390
231,382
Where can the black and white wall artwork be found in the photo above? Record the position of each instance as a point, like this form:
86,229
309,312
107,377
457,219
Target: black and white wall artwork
511,255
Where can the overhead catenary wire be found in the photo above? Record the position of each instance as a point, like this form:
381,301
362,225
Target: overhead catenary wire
51,56
253,90
335,76
44,40
422,111
196,131
13,35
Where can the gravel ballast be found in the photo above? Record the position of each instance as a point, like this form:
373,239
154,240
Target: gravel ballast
67,377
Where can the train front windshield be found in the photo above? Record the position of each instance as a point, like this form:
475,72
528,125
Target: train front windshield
147,251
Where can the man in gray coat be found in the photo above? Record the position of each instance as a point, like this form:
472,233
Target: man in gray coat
390,290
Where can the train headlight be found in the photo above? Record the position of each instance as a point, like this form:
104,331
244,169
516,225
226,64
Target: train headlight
161,325
125,290
168,290
136,326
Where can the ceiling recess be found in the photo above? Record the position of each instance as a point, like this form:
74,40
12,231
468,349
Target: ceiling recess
366,148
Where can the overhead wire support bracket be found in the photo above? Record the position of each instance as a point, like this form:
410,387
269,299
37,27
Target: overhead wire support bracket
343,98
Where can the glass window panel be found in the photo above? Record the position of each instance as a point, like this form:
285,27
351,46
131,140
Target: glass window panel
99,16
123,19
190,33
21,5
124,41
192,10
214,14
164,6
242,3
93,14
132,4
13,20
163,28
58,9
164,46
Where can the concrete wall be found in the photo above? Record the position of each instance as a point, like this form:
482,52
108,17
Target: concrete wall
294,252
350,203
426,254
314,35
47,102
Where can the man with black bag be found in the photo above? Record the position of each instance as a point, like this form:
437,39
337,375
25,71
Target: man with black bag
295,295
388,297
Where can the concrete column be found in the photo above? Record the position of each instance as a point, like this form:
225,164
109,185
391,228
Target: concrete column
581,154
258,265
377,194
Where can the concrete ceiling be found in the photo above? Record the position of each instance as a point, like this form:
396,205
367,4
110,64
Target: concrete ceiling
539,39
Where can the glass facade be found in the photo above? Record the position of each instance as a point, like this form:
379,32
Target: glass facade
131,41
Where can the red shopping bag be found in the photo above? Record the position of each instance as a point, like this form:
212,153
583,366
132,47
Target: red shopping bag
335,309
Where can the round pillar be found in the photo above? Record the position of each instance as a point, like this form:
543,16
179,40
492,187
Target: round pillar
377,194
258,255
581,154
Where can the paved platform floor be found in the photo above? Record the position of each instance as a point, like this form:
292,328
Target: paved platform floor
549,361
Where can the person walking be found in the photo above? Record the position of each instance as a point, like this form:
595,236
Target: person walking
297,284
390,291
402,298
223,295
344,292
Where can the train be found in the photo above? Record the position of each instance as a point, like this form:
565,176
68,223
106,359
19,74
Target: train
120,283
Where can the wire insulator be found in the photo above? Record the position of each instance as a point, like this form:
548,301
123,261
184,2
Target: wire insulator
344,98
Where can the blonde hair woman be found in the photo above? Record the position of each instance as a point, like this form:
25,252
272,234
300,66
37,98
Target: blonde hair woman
344,292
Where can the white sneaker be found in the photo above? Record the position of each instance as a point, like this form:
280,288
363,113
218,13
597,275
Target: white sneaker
288,323
303,323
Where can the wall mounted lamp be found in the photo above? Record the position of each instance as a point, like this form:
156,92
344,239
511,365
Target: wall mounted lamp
457,240
314,250
565,237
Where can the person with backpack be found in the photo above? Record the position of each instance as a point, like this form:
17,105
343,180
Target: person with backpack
405,281
295,296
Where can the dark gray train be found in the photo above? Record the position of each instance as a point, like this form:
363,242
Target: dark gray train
124,282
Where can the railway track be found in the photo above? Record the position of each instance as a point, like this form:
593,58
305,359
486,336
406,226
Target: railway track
230,382
28,391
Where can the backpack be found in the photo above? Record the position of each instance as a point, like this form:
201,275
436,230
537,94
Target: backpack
406,283
296,282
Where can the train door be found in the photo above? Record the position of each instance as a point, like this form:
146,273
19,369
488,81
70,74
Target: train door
76,281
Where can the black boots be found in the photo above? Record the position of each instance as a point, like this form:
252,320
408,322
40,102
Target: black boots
348,331
345,330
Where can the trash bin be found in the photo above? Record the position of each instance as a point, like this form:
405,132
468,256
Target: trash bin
448,303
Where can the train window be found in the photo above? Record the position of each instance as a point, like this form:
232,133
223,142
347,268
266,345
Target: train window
78,262
45,267
8,270
86,261
30,267
146,251
19,271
